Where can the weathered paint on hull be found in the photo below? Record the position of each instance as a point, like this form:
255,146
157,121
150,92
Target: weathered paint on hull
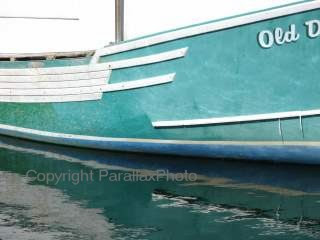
293,152
225,73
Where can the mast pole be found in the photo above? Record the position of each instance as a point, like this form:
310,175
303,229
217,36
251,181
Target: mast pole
119,20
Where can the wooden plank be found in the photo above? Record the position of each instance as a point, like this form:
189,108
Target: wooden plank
154,58
78,72
55,78
54,70
56,84
51,91
51,99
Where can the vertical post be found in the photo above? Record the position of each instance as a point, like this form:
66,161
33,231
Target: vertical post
119,14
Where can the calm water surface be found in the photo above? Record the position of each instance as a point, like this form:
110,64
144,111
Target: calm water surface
229,200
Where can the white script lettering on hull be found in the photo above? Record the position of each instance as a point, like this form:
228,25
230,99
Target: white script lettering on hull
267,39
313,28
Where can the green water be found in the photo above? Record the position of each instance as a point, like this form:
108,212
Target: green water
229,200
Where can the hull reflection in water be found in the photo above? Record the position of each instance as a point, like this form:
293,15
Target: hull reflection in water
264,201
38,212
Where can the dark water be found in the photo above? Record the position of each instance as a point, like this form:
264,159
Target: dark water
229,200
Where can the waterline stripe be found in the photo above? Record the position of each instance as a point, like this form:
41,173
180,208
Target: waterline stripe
236,119
93,141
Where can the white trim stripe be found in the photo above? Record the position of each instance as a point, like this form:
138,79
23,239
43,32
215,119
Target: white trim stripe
210,27
154,58
236,119
139,83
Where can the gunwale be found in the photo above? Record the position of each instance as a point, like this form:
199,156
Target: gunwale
208,27
187,31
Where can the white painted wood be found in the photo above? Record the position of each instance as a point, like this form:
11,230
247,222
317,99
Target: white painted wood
57,84
51,99
65,91
210,27
53,70
54,78
78,72
139,83
154,58
51,91
236,119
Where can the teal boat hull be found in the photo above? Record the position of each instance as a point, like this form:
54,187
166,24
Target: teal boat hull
232,96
